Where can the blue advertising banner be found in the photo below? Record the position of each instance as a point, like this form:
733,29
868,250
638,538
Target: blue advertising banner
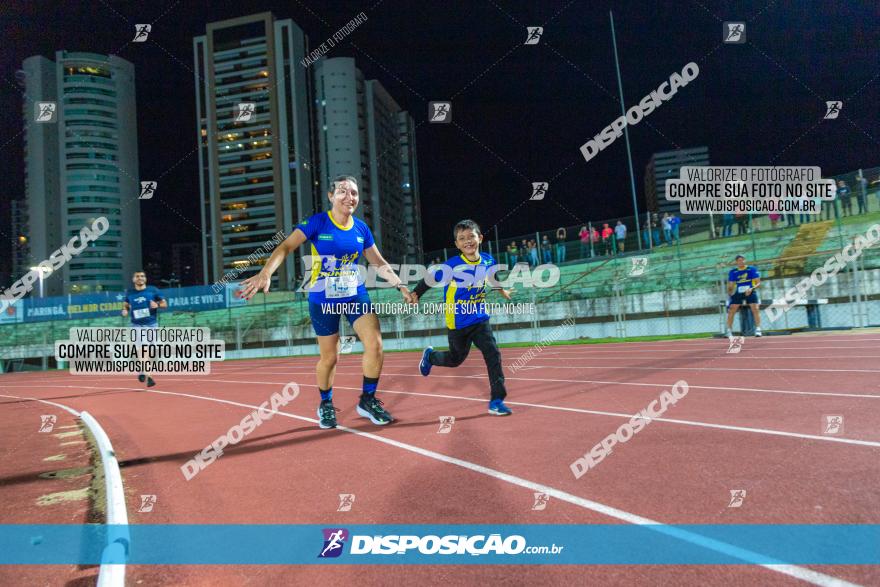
38,309
194,299
94,305
565,544
100,305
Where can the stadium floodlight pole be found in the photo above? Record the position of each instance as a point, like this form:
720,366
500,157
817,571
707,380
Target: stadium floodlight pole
632,178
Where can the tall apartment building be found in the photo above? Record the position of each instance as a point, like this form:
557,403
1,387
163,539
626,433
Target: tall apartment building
341,128
666,165
81,162
412,211
255,140
186,263
363,132
21,257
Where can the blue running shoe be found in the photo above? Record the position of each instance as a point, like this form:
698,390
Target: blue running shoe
497,408
425,365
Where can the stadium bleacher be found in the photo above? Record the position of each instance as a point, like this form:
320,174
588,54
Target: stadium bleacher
690,265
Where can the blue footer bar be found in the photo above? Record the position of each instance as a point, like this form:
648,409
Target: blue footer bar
612,544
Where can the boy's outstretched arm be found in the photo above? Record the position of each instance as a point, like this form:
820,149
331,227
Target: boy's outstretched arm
419,290
495,285
422,286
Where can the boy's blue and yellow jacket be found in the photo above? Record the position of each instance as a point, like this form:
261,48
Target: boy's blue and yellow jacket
464,289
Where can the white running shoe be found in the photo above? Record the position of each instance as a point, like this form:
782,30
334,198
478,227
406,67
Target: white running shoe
758,332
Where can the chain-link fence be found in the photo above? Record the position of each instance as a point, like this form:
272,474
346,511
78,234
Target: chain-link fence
601,238
670,289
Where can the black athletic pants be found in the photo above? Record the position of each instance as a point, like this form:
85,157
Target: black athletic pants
460,341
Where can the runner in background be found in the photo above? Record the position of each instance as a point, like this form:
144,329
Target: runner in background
742,283
143,303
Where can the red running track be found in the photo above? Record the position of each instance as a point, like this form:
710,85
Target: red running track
751,421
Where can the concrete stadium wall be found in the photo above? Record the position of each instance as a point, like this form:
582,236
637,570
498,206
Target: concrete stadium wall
657,313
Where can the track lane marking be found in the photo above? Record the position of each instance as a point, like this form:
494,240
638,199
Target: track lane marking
797,572
729,427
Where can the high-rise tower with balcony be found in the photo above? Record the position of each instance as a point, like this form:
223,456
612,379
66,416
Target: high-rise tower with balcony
81,162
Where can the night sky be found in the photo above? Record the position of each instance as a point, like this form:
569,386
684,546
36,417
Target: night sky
520,113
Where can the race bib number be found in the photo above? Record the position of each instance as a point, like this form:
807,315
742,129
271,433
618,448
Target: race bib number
141,313
342,286
743,288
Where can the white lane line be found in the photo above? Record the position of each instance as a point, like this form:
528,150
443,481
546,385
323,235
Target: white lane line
721,355
42,401
716,343
702,342
765,431
802,573
478,364
664,368
531,366
719,388
409,364
615,414
386,373
719,343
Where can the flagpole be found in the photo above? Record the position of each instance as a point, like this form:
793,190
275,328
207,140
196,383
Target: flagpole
632,178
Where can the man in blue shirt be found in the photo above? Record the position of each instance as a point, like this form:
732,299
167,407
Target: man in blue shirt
143,303
467,321
674,222
742,284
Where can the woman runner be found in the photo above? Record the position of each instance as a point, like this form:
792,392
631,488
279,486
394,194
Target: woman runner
338,241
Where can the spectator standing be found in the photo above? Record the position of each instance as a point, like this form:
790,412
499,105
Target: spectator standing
561,236
607,236
862,193
807,217
533,253
514,253
774,219
584,236
545,249
594,239
620,233
674,222
741,220
652,235
790,220
845,197
667,229
727,221
829,205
